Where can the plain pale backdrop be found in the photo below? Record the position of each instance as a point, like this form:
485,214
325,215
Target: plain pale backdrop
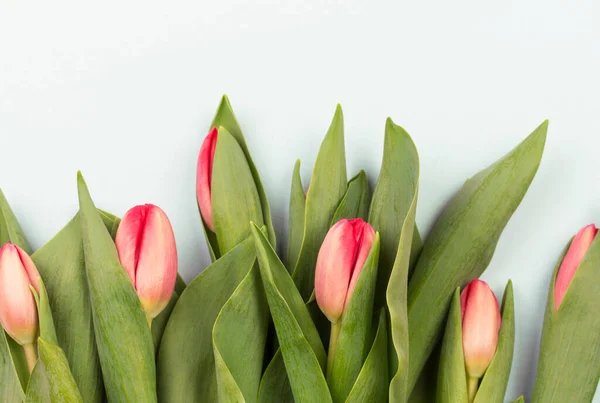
125,92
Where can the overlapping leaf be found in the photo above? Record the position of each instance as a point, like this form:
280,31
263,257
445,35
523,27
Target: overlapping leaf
462,242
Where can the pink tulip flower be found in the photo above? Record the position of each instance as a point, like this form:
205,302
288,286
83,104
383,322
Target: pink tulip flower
340,261
480,326
581,243
146,247
204,177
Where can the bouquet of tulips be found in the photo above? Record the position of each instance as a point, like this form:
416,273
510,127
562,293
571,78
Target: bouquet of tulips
359,308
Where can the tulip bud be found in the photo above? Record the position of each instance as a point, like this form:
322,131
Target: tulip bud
480,326
340,261
577,250
204,177
18,311
146,247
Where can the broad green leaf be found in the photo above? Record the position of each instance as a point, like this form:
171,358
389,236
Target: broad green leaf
296,223
392,198
160,322
225,117
372,382
301,347
123,337
520,399
393,211
12,390
61,264
186,348
239,337
452,377
424,390
327,187
354,340
275,385
13,365
235,200
493,385
356,200
58,385
569,365
10,229
463,240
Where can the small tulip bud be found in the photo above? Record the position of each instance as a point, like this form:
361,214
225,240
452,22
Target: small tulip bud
340,261
480,326
579,247
146,247
204,177
18,310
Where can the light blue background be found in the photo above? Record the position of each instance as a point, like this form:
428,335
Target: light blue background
125,91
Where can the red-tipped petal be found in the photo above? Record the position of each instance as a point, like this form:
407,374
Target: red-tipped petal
334,269
481,323
18,311
364,236
579,247
129,235
157,264
204,177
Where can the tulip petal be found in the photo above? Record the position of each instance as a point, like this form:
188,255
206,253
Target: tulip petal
18,312
335,264
128,238
579,247
156,269
204,177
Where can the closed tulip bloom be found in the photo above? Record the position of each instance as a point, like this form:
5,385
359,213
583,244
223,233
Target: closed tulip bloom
146,247
579,247
340,261
204,177
18,310
480,326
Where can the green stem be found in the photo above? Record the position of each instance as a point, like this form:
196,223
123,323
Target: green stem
472,386
333,337
30,355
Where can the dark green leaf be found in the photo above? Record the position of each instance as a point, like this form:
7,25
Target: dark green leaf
123,337
187,346
301,347
462,242
297,210
356,200
327,187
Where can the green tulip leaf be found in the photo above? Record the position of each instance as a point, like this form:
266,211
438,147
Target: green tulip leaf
492,388
123,337
354,340
301,347
372,382
569,364
186,348
225,118
327,188
356,200
425,389
462,242
520,399
297,210
160,322
235,198
239,337
275,386
51,380
10,229
393,211
452,377
415,250
392,199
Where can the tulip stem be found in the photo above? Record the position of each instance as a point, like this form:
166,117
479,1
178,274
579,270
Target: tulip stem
30,355
333,338
472,386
